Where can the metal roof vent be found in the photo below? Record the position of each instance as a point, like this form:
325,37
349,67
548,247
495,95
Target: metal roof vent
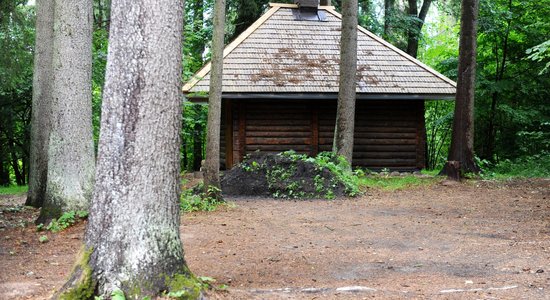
308,10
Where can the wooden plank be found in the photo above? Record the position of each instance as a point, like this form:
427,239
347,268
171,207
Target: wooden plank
276,133
384,154
421,138
277,141
314,131
266,128
375,141
278,148
375,135
265,122
228,134
242,129
394,162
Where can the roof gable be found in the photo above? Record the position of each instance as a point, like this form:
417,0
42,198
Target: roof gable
279,54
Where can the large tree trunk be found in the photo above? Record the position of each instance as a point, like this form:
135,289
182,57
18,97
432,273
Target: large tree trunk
345,113
462,142
40,122
71,160
212,162
133,236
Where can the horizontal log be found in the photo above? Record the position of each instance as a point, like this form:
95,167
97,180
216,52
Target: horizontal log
265,128
385,155
275,115
265,122
384,148
374,141
277,141
381,163
278,148
281,134
363,134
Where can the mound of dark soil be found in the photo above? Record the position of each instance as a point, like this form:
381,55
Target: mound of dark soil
280,176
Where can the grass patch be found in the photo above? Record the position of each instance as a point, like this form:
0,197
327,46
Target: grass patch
13,190
395,183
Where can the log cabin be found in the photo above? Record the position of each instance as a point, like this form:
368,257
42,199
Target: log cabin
280,89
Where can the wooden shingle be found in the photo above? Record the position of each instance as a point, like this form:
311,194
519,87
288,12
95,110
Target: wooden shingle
279,54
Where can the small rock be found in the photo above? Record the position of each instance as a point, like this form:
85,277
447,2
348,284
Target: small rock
468,282
540,271
394,173
29,274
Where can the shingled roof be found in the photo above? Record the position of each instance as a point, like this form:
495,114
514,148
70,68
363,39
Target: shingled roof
280,54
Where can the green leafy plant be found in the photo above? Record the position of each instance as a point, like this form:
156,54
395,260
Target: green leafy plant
66,220
196,199
43,239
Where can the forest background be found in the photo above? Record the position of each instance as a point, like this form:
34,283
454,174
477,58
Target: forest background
512,109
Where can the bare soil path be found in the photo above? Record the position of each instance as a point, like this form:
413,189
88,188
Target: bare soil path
475,240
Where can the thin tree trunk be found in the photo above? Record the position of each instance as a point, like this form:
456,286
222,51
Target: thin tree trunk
212,162
388,15
462,142
133,238
41,95
500,69
345,113
415,30
197,138
71,160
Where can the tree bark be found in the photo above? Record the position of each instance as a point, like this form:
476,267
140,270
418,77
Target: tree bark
40,122
133,237
345,112
212,162
71,160
462,142
388,15
415,30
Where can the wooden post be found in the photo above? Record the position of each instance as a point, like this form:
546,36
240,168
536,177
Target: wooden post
228,135
242,130
314,131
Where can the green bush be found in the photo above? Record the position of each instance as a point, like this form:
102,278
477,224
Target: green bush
196,199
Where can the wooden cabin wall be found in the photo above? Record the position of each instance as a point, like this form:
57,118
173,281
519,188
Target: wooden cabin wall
388,134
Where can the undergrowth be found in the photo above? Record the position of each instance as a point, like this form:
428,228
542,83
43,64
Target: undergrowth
66,220
13,190
535,166
196,199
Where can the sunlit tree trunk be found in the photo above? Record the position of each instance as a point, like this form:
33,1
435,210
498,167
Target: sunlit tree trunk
132,239
71,160
40,124
345,114
461,153
212,162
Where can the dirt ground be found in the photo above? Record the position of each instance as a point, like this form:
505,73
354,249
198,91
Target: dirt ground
474,240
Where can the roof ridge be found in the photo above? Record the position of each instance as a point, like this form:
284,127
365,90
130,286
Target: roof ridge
230,47
399,51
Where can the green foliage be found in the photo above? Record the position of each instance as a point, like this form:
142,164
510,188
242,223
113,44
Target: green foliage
391,183
540,53
196,199
13,190
118,295
65,221
534,166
